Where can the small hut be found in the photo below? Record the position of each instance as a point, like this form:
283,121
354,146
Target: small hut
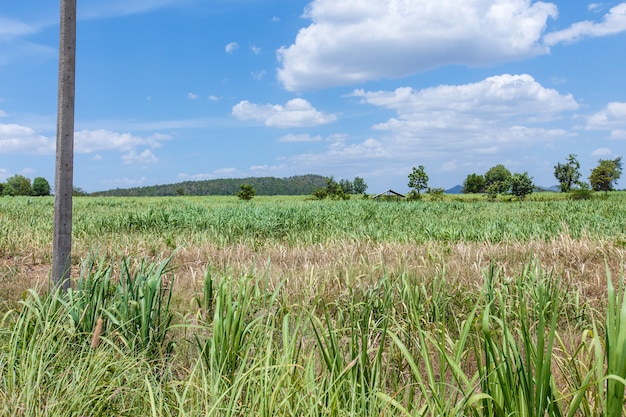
388,195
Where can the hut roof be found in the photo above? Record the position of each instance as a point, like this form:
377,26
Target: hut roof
389,193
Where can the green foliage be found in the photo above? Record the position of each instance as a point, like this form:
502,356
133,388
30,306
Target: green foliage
497,179
436,194
17,185
413,195
359,185
392,344
605,175
418,179
335,190
568,173
246,193
296,185
583,192
521,185
474,183
495,188
41,187
135,306
79,192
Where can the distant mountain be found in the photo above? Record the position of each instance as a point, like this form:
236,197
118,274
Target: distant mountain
551,189
296,185
457,189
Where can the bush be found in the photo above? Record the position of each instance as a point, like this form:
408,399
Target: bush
246,193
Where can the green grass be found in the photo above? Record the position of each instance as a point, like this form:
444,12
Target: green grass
155,225
360,308
498,352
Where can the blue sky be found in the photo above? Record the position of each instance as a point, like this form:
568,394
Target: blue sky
176,90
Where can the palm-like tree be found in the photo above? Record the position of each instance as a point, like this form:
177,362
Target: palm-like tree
62,239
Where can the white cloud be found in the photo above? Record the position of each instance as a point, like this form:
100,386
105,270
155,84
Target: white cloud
602,153
613,118
3,113
614,22
89,141
192,96
4,174
594,7
142,159
17,139
303,137
618,134
256,50
231,47
214,98
352,41
480,117
296,113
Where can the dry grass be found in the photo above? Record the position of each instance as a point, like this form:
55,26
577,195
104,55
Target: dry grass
330,271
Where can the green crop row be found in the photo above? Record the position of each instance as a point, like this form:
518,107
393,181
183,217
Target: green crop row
27,222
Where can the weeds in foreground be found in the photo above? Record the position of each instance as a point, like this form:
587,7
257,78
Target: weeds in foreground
404,345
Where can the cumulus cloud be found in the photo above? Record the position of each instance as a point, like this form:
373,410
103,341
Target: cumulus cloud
296,113
142,159
17,139
3,113
352,41
231,47
614,22
256,50
479,117
192,96
89,141
613,118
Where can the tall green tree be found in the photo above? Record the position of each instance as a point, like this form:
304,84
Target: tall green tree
41,187
346,186
474,183
567,174
64,171
17,185
359,186
521,185
418,179
604,177
497,179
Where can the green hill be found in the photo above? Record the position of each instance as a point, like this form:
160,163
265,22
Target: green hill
296,185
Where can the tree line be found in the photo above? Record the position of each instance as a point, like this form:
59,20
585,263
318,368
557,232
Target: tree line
295,185
20,185
499,180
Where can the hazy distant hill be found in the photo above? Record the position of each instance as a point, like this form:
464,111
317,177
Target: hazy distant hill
297,185
457,189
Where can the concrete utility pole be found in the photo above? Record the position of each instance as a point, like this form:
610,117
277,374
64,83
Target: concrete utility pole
64,172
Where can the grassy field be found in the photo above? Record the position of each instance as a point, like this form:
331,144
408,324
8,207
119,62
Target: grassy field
284,306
